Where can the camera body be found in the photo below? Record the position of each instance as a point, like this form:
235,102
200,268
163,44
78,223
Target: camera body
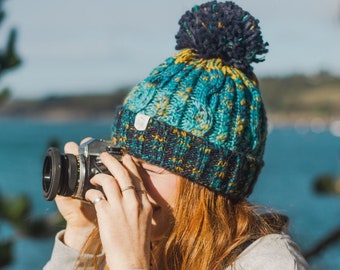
69,175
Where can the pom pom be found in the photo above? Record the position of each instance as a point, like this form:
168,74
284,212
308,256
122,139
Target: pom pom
222,30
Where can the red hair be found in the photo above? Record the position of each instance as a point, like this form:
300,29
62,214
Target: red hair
208,231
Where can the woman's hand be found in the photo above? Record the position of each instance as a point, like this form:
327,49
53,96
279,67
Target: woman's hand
80,216
124,214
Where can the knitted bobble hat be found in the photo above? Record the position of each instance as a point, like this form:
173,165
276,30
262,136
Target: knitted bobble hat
200,114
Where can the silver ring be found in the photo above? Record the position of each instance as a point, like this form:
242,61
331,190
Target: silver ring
127,188
97,200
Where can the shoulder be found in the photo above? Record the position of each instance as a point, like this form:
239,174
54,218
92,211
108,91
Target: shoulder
274,252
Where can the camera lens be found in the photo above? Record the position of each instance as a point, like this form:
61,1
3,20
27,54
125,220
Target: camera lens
51,173
60,174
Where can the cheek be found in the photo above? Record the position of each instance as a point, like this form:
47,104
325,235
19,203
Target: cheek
168,190
163,188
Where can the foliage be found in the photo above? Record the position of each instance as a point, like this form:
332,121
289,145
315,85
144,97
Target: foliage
6,252
9,58
4,95
14,211
327,184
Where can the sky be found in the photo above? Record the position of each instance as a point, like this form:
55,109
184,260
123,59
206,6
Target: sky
86,46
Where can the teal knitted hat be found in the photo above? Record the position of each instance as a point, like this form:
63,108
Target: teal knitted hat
200,113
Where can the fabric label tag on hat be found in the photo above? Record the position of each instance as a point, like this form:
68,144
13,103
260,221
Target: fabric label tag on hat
141,121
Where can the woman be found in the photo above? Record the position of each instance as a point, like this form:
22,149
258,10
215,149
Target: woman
193,133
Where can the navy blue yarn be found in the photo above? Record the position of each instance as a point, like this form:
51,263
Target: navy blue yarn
238,42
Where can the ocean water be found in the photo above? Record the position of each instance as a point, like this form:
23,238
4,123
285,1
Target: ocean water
293,159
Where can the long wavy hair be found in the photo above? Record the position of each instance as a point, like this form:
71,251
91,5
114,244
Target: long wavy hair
208,231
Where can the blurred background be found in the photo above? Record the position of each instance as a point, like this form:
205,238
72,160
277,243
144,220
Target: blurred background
65,65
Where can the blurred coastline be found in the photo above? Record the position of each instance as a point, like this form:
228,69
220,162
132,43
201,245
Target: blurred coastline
298,100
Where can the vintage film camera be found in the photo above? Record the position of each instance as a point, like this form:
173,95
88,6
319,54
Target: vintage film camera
69,175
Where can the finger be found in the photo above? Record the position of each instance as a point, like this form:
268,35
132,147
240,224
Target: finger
130,163
110,187
71,148
85,140
97,198
102,205
119,172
